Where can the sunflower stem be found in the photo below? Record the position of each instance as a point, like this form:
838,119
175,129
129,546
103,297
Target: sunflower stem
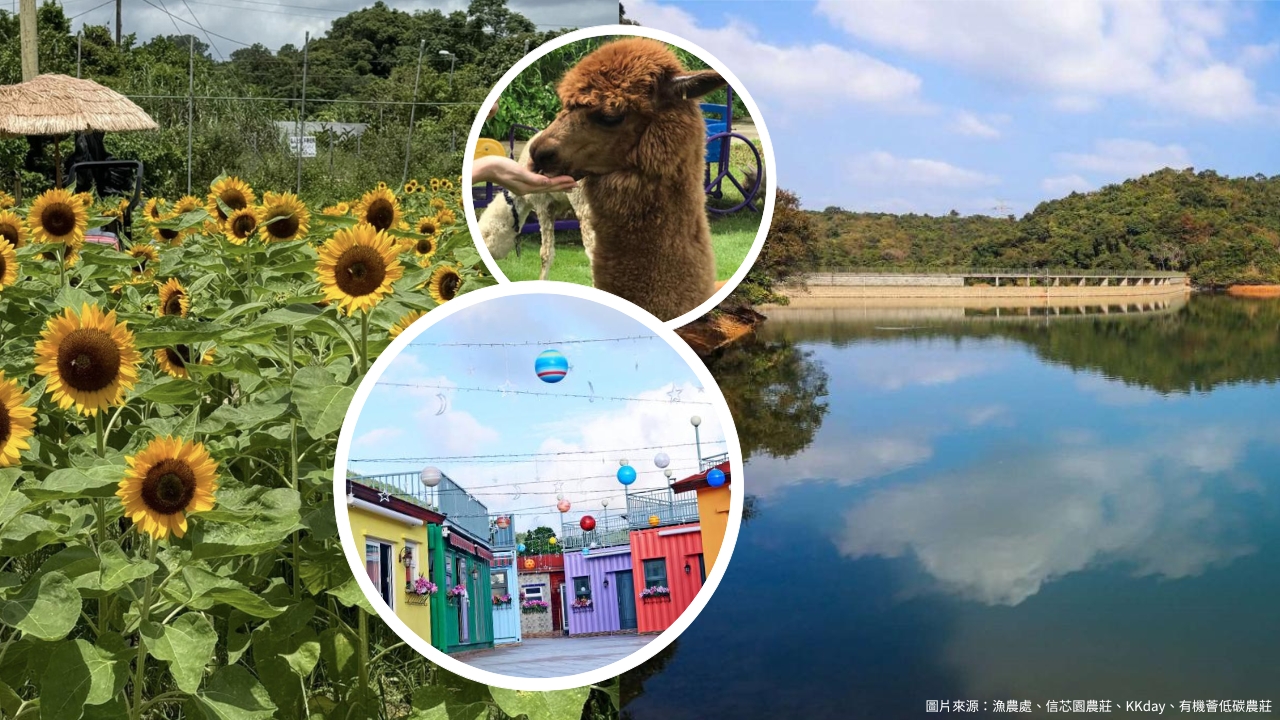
102,434
364,647
62,267
364,342
144,615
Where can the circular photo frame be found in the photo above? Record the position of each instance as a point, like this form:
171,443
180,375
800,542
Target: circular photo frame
712,402
719,138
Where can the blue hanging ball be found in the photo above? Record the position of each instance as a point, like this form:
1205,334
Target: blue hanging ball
520,547
586,552
715,477
626,474
551,366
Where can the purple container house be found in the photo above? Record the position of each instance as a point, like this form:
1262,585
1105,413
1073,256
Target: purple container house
600,592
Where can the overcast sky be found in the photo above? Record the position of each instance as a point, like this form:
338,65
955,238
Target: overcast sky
277,22
926,106
437,419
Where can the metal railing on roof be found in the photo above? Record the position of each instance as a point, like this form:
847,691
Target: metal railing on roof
502,538
709,462
448,498
610,530
405,486
655,508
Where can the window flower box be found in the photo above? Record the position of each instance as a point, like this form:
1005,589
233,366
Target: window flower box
501,600
654,594
583,604
412,599
455,594
534,606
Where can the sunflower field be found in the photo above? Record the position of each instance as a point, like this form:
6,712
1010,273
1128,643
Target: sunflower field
168,423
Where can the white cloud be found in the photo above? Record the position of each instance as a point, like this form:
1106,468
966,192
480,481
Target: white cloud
376,437
1120,158
1077,52
858,458
1065,185
881,169
973,126
995,538
804,74
1253,55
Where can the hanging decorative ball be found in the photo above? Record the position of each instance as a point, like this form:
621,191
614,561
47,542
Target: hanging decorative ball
552,541
654,520
551,366
563,506
715,477
528,563
587,523
430,476
661,460
502,522
520,547
626,474
623,462
586,552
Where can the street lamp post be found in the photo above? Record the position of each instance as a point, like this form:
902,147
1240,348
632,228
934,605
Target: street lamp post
453,137
695,421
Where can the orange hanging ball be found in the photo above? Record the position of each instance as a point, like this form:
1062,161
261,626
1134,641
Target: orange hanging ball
528,563
654,520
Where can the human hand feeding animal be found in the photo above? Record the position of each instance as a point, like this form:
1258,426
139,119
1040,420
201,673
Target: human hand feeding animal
517,178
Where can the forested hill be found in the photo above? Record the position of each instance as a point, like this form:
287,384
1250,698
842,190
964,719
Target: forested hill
1218,229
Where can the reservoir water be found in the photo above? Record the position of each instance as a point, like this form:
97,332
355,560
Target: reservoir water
959,507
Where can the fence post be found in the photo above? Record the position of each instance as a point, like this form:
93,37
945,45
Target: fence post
191,104
408,143
302,112
330,154
79,47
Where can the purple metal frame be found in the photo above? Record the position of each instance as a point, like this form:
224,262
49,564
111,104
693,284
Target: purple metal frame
714,185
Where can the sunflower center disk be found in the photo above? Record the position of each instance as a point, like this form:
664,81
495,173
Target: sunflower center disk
381,214
284,227
179,356
88,360
169,486
5,425
173,306
168,234
449,287
234,200
424,247
3,267
359,271
10,233
243,226
59,219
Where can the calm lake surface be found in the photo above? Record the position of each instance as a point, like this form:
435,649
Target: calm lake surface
1049,508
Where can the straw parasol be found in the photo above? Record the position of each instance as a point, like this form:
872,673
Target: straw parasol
60,105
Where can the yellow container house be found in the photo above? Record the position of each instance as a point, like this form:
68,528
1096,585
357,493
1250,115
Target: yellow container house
713,505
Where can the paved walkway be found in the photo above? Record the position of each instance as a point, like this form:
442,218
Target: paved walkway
557,657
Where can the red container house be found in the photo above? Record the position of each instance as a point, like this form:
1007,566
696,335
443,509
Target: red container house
667,557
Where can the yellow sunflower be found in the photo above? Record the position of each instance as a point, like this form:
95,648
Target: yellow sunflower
58,217
332,210
427,225
85,198
283,217
186,204
411,187
424,247
357,267
173,299
168,479
16,421
444,283
241,225
175,360
233,192
6,200
435,183
446,217
379,208
166,236
12,228
155,208
405,321
145,255
89,359
8,264
437,204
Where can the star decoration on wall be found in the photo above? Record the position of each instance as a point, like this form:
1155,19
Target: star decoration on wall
384,496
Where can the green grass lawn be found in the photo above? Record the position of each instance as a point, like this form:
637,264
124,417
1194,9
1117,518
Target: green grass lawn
731,237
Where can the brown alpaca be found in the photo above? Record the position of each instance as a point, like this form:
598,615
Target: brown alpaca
631,131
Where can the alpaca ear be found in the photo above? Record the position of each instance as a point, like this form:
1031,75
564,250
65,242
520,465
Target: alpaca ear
691,85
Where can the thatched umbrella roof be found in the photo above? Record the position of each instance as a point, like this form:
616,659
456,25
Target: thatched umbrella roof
60,105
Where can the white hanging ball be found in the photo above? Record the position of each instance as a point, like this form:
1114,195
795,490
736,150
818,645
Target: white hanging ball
430,476
661,460
623,462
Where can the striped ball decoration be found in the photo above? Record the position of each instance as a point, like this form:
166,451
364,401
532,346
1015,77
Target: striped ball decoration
551,366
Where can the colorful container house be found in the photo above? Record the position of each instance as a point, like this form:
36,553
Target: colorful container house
669,570
601,589
502,581
666,555
455,545
540,578
392,532
713,506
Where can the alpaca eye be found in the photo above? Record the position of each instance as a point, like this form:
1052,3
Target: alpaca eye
607,120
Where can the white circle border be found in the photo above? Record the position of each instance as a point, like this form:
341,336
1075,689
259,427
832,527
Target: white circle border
766,145
424,646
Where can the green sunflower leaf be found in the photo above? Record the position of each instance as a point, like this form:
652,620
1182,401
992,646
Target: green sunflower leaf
95,482
47,607
78,674
234,694
322,403
551,705
187,645
118,569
